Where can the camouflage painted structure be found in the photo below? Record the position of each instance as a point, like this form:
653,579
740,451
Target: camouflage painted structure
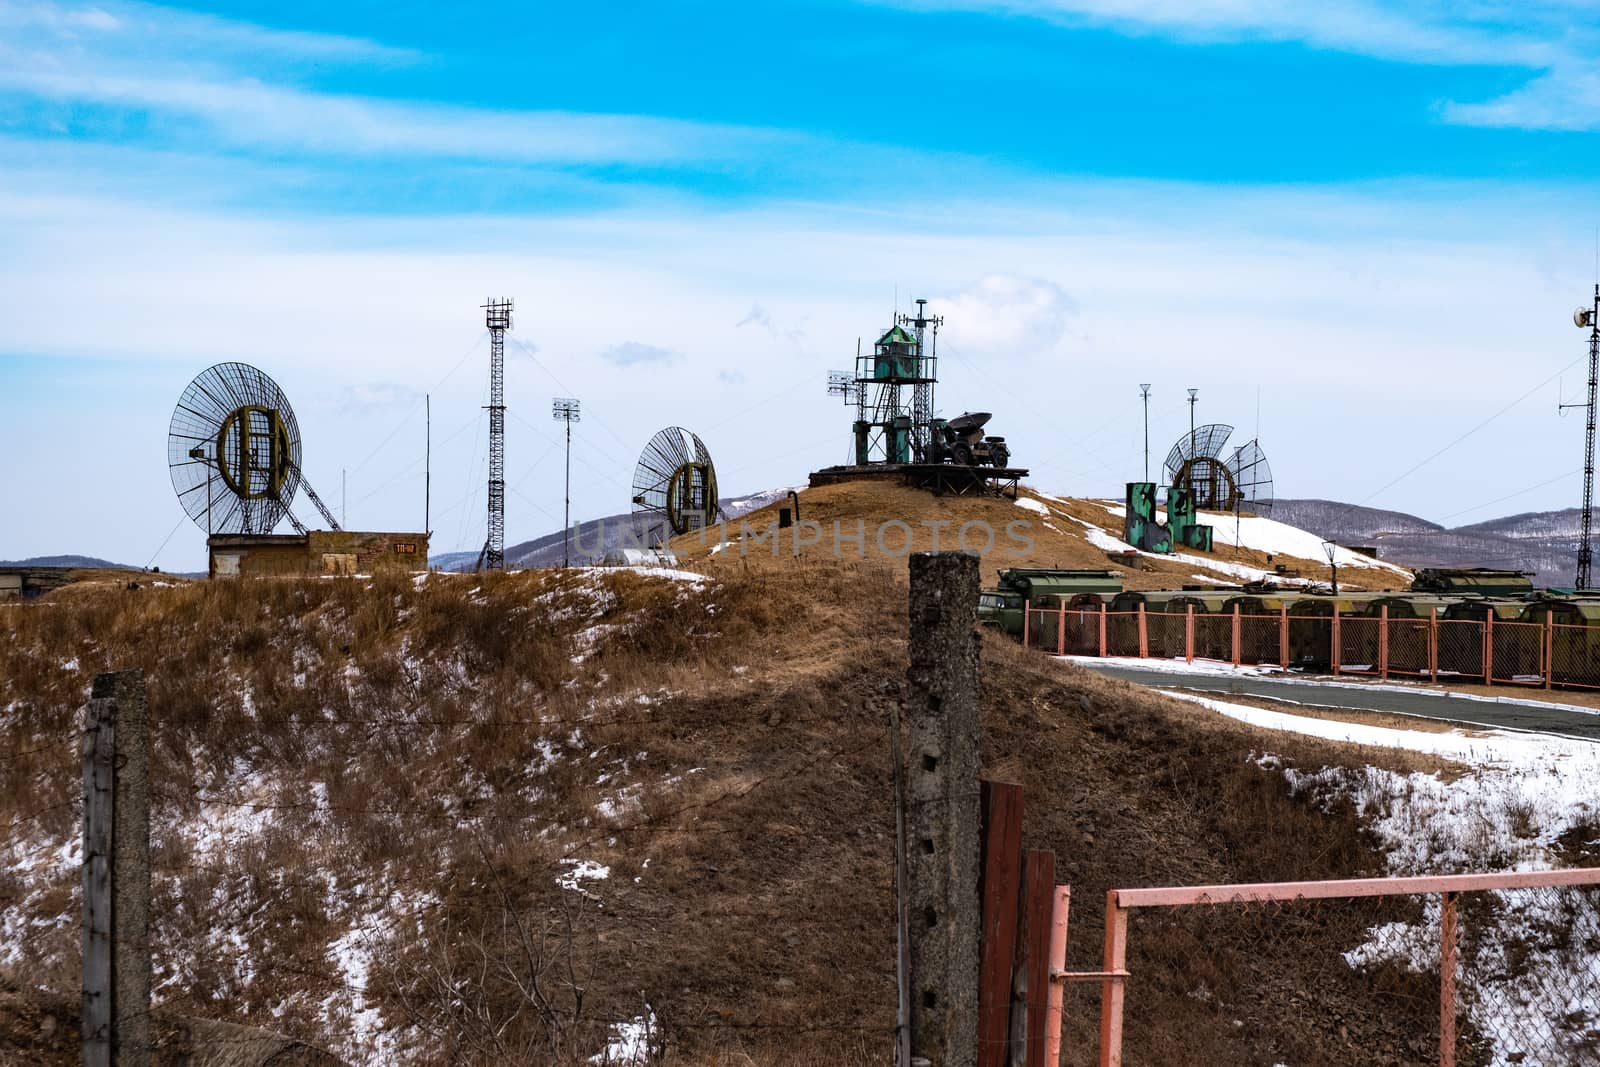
1142,530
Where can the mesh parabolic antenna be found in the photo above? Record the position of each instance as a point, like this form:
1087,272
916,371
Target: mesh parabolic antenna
234,452
674,486
1221,479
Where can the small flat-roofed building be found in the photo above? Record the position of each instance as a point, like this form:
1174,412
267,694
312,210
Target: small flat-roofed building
315,552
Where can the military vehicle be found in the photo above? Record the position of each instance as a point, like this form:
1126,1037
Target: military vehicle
961,441
1002,606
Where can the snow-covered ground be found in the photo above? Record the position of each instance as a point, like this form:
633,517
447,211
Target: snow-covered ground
1254,532
1519,797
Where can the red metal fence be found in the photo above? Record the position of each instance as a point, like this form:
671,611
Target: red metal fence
1462,969
1487,651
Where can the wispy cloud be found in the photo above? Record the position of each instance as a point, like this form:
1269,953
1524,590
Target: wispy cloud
1427,32
1556,41
207,80
174,33
634,353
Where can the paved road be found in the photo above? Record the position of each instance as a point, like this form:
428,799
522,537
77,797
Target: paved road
1551,719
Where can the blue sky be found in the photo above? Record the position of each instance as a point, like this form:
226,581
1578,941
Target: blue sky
1375,217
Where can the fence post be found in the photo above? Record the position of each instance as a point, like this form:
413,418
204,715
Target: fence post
1002,891
1283,635
942,814
1112,989
98,761
1549,647
116,873
1335,645
1488,648
1433,644
1061,631
1188,634
1447,980
1236,635
1383,642
1031,986
1144,634
902,914
1102,629
1026,611
1058,965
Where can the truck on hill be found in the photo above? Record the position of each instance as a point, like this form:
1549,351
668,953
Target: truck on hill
1002,606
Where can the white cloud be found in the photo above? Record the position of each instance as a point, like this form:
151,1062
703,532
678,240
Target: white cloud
1426,32
215,81
1555,41
1006,315
174,33
634,353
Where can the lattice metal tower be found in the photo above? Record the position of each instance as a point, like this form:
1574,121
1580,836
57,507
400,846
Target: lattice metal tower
1590,317
927,334
497,316
888,430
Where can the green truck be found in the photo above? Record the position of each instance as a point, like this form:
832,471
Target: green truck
1002,606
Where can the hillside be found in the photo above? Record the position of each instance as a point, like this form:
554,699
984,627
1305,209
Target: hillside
1349,524
1543,543
593,538
882,522
385,805
81,562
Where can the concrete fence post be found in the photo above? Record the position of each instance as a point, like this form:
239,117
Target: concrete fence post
943,809
116,873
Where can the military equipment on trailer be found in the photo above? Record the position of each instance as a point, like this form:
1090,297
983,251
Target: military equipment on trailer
1003,605
961,441
1485,580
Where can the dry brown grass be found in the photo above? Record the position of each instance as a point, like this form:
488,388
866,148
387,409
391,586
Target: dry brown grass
431,756
1056,541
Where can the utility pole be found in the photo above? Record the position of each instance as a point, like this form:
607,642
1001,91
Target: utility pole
1193,395
427,463
497,317
1590,317
565,409
1144,391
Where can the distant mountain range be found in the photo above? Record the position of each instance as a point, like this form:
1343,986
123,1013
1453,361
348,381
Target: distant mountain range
593,538
1542,542
82,562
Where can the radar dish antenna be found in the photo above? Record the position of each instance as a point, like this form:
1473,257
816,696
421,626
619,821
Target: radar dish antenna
674,486
233,451
1240,482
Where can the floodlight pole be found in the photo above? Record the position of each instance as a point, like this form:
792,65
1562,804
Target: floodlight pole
1144,391
1331,550
497,318
565,409
1589,317
1193,394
